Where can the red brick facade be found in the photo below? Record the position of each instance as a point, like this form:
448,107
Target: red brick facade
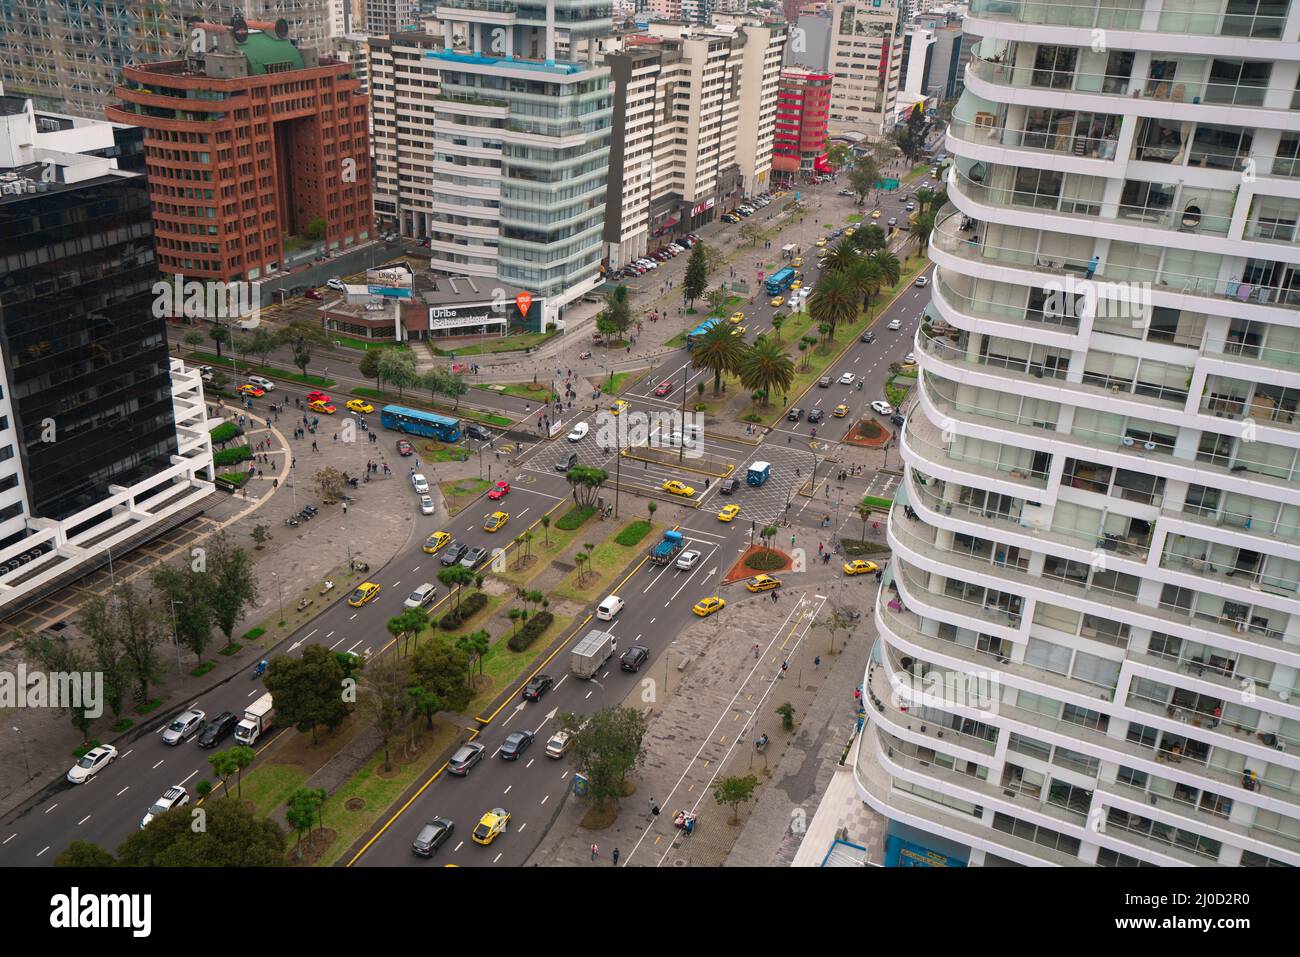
803,102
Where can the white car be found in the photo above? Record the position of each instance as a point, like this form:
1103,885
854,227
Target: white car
921,281
910,357
336,283
420,484
421,596
883,407
266,385
896,324
579,432
91,763
184,727
175,796
688,559
426,505
847,379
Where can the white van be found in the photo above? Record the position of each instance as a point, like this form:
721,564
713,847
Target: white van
421,596
610,607
266,385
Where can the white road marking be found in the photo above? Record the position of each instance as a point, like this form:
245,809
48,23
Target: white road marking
158,765
84,820
42,850
123,791
53,806
545,798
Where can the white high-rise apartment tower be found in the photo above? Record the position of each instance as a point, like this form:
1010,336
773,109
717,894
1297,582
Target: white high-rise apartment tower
1096,543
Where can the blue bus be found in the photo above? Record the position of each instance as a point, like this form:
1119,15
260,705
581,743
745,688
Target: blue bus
695,334
780,281
430,425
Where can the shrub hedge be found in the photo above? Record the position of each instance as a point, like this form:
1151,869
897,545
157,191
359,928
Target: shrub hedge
224,433
633,533
531,631
239,453
574,517
469,607
765,561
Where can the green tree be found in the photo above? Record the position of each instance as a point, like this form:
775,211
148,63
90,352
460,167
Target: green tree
300,814
778,321
193,339
99,625
751,233
922,226
185,593
242,755
262,343
786,711
869,238
218,334
606,747
308,690
652,506
719,352
316,228
866,277
57,655
440,669
697,275
382,697
716,300
841,256
454,388
223,766
233,583
766,366
424,704
302,336
863,176
455,576
139,629
618,308
84,854
837,154
233,836
925,198
407,625
398,368
733,792
911,136
369,367
586,483
833,300
546,529
475,645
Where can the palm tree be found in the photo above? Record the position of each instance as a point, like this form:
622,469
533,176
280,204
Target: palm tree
834,300
766,365
867,277
777,321
718,351
842,255
922,226
889,265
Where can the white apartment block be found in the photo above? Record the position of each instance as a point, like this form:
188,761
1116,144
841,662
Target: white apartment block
1096,543
388,17
403,89
865,57
634,77
762,56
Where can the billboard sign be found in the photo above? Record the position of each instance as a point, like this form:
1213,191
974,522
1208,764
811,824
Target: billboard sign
390,281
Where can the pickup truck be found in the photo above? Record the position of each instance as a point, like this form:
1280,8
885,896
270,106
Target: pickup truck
666,550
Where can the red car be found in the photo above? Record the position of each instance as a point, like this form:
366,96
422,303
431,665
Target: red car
313,294
501,491
405,448
664,388
317,397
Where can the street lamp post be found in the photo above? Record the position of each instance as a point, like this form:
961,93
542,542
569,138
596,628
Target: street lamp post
175,635
23,744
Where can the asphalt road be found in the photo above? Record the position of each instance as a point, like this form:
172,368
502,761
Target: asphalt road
107,809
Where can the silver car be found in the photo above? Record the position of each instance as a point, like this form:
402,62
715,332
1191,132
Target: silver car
184,727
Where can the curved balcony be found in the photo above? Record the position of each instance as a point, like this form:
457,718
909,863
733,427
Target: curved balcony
925,446
1031,267
1129,17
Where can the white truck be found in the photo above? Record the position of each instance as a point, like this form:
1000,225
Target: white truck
256,722
591,653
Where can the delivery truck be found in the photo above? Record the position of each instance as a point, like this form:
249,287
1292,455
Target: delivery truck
590,654
666,550
256,721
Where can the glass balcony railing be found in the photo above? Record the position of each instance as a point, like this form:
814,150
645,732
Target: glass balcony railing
1246,521
981,134
1128,16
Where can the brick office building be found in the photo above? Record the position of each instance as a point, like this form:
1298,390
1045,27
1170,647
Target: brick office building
248,141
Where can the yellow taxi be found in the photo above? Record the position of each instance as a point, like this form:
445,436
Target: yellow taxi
740,330
249,389
675,487
491,825
320,405
850,231
778,301
495,521
841,411
821,243
728,512
707,606
365,591
359,405
763,583
875,214
436,542
619,406
797,284
736,317
796,263
860,566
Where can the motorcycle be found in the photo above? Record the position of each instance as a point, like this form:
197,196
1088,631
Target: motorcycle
260,669
584,355
859,386
291,522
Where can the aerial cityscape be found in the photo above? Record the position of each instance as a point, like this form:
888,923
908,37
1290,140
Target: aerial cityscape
650,433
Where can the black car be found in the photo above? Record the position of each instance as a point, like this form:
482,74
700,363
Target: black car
728,486
634,657
795,414
534,690
478,432
466,756
868,336
567,463
217,729
475,557
454,553
432,836
515,745
816,415
897,419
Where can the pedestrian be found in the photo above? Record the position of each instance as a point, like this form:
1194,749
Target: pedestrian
785,665
595,849
615,857
819,548
654,810
817,662
774,598
345,508
756,652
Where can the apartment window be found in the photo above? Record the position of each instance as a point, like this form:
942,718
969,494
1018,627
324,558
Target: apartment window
1132,777
1093,670
1142,735
1031,747
1239,82
1147,201
1038,835
1085,717
1054,66
1219,147
1074,799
